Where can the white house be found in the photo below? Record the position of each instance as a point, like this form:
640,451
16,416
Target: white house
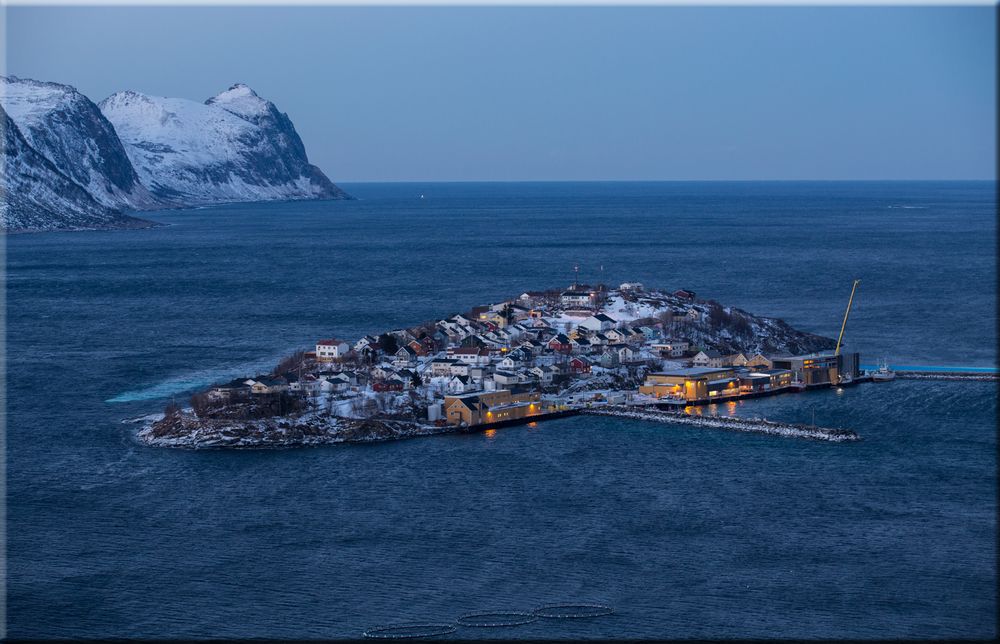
505,378
581,344
459,368
599,322
340,382
311,385
405,356
511,361
331,349
469,355
575,298
267,385
709,358
459,385
672,348
382,372
442,367
544,374
615,336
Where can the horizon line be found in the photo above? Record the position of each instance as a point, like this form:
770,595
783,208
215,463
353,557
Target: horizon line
979,180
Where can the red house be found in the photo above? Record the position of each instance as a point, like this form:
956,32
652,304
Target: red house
684,294
560,343
382,385
418,347
579,365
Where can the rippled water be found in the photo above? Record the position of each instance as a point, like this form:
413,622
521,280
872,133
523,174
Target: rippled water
687,532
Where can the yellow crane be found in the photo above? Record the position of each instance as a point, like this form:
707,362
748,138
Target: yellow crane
846,313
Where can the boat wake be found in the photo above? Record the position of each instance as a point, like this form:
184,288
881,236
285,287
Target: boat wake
190,382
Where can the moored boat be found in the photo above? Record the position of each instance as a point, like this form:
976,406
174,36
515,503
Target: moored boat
883,373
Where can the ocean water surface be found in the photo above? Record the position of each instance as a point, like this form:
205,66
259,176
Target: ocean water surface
687,532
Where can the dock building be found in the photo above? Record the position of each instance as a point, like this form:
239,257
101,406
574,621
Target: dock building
483,407
693,383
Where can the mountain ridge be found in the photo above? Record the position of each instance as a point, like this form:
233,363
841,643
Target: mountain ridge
135,152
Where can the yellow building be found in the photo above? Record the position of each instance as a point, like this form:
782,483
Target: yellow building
484,407
697,383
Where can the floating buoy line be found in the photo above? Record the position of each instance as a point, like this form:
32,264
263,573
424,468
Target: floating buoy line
496,619
488,619
409,631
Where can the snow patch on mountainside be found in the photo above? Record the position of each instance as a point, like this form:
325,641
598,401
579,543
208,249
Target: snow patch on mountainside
234,147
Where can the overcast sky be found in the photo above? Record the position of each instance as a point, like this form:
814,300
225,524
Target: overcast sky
509,93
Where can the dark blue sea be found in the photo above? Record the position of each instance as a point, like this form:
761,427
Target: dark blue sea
686,532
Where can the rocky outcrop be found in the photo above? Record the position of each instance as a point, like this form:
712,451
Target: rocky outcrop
186,430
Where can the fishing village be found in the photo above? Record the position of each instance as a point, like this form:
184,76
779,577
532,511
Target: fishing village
629,351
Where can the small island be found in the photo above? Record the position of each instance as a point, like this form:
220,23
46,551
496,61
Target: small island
629,352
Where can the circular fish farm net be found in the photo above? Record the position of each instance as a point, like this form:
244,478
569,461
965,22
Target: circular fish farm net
572,611
409,631
496,618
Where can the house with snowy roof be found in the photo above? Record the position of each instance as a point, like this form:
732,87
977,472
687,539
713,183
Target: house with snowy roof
599,322
469,355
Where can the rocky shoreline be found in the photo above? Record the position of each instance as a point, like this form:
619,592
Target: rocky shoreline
185,430
501,358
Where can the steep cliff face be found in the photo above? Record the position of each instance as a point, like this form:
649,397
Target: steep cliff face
234,147
37,196
68,129
69,164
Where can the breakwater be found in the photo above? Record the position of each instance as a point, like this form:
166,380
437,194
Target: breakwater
755,425
940,375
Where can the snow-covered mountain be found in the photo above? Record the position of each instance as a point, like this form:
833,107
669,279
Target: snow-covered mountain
68,164
38,196
235,146
69,130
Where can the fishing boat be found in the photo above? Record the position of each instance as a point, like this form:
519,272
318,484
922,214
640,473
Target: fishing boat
883,373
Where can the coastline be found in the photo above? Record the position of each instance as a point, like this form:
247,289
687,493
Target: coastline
541,355
186,431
